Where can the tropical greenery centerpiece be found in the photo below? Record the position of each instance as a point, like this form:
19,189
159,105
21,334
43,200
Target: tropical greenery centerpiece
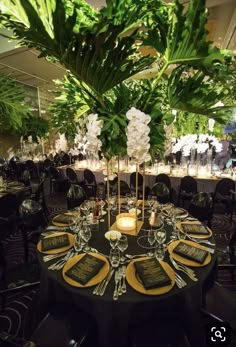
105,53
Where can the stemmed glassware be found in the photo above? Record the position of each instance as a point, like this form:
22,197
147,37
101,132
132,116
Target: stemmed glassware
114,257
151,202
87,208
151,240
122,244
160,238
86,235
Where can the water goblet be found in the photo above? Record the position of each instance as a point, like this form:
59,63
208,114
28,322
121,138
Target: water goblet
151,202
86,208
160,236
122,245
151,240
86,235
114,257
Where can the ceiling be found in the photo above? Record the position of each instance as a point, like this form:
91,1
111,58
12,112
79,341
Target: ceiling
24,65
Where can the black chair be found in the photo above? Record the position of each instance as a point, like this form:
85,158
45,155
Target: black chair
32,168
90,184
46,167
71,174
140,184
65,159
39,196
225,195
187,189
163,178
124,188
201,207
60,326
75,196
161,192
31,218
57,182
57,159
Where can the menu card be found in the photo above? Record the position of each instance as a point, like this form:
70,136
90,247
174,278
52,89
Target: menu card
55,242
85,269
196,229
191,252
152,273
63,219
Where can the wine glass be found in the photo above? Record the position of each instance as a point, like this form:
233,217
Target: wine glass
114,257
86,208
151,202
160,236
113,240
151,240
122,245
86,235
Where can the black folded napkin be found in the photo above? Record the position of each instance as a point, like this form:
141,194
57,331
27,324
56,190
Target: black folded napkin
152,273
63,219
191,252
195,229
55,242
85,269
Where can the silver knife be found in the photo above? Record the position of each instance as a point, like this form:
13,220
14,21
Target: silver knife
102,291
210,250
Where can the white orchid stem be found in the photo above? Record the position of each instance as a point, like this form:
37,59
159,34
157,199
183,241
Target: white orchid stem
143,192
136,205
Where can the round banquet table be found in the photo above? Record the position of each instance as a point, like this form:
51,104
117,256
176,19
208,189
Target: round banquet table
115,318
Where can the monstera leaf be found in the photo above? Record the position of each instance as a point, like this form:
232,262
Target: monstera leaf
194,92
13,110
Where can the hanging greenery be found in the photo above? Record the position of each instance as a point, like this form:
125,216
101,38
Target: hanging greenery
13,110
102,49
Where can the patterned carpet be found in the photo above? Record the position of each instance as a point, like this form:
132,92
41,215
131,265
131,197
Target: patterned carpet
13,316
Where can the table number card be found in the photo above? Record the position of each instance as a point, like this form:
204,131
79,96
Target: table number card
191,252
152,273
85,269
55,242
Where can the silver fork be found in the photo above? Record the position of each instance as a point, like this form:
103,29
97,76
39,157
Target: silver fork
189,272
117,277
60,261
123,288
179,281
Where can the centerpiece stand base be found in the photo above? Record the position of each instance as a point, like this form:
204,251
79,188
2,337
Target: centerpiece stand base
132,232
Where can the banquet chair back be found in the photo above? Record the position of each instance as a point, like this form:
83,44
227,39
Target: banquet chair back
71,174
65,160
133,180
187,189
75,196
31,218
32,168
124,188
164,179
80,157
224,194
201,207
57,159
90,184
39,196
161,192
46,167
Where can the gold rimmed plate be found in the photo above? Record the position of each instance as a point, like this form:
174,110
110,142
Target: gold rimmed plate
56,220
184,260
196,236
93,281
57,250
135,282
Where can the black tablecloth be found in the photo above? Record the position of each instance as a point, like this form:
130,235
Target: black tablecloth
115,318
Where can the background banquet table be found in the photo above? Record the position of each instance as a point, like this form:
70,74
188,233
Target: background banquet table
206,185
116,318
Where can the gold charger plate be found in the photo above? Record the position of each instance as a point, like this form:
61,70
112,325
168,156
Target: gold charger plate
136,284
54,222
196,236
95,280
186,261
57,250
